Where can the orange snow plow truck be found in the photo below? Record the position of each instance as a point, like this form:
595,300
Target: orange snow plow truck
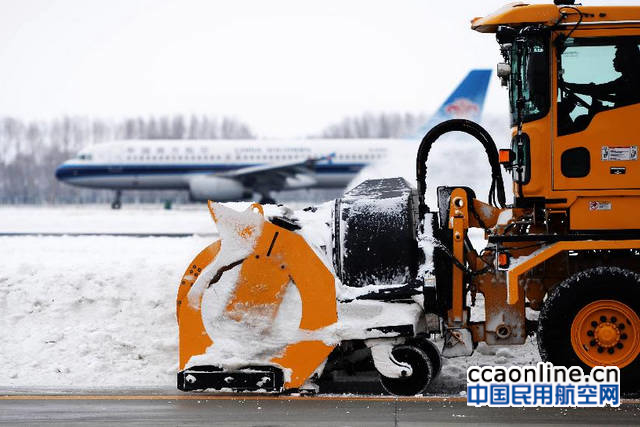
372,280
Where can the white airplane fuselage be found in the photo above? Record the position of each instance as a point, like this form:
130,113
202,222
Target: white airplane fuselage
174,164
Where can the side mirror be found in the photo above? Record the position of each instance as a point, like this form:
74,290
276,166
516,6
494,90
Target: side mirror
505,34
503,71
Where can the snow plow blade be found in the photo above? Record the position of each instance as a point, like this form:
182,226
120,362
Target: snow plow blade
228,308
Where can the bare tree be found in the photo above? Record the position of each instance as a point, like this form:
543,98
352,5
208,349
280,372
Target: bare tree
383,125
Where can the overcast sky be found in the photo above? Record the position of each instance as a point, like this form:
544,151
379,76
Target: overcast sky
286,67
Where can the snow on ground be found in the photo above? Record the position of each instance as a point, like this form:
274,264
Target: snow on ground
453,377
102,219
99,311
90,311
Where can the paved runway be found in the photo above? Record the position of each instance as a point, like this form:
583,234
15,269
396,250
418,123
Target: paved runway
157,410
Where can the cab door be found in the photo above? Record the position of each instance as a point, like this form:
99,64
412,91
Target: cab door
597,132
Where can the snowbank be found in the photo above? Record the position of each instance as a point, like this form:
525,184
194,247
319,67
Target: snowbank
100,312
90,311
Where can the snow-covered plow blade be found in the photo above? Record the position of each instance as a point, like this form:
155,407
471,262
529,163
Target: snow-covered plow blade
263,309
233,334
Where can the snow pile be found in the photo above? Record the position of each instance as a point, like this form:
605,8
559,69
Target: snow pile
91,311
453,376
317,230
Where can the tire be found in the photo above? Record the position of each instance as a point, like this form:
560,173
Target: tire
431,350
592,319
116,205
419,378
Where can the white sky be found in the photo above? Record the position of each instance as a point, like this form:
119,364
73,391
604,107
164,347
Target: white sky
286,67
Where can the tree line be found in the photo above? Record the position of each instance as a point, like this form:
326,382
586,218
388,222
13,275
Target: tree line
381,125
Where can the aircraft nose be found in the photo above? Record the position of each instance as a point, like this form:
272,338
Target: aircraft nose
61,172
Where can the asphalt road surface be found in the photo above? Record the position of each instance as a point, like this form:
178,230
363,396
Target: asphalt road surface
155,410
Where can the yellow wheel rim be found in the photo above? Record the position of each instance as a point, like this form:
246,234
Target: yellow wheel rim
606,333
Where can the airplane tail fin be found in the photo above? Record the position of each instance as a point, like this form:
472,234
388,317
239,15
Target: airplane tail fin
466,101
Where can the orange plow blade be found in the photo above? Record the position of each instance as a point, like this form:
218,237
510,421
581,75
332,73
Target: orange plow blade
253,308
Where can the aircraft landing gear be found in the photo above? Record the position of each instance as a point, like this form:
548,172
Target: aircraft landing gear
117,203
267,200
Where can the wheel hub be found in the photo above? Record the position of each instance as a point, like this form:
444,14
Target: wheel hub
606,333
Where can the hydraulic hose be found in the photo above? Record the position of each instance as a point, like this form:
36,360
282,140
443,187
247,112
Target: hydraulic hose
496,193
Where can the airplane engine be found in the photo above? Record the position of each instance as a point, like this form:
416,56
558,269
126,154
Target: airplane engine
217,188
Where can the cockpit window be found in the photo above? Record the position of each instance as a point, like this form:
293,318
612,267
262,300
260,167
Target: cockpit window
595,75
84,156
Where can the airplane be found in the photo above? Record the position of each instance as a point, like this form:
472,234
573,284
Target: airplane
228,170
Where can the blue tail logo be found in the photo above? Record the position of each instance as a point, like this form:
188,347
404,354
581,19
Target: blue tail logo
466,101
462,108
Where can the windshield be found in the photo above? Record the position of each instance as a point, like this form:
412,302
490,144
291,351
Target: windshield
529,79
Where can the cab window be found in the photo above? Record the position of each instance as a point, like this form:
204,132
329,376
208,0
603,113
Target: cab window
595,75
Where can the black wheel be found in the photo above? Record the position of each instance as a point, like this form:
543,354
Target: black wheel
419,378
591,319
116,204
431,351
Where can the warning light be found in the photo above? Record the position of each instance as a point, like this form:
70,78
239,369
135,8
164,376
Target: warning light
503,260
506,156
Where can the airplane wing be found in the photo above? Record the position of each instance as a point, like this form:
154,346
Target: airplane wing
274,175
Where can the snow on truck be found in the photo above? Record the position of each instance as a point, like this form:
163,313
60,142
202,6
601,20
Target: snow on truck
369,279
